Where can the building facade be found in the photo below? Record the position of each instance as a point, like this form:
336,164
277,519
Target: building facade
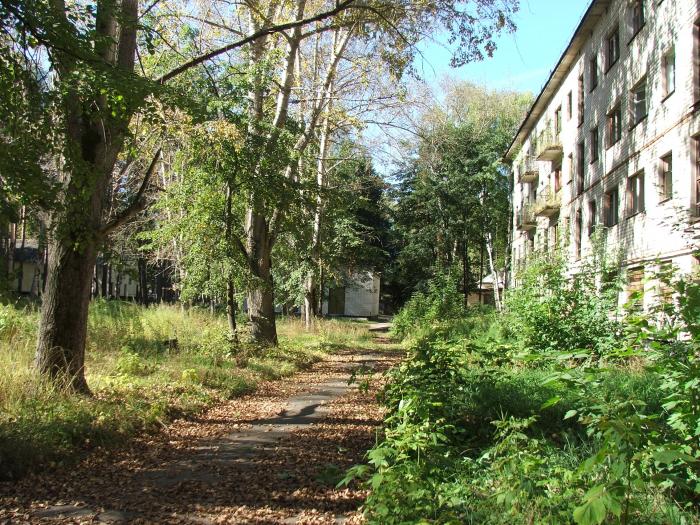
357,297
612,143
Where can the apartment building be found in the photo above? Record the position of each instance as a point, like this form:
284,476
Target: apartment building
613,142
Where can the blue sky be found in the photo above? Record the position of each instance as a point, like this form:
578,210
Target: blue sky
524,59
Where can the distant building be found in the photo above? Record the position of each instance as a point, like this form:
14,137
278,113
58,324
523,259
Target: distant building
613,142
29,274
485,293
357,297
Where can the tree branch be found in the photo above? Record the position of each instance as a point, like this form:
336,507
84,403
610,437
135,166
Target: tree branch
342,6
138,204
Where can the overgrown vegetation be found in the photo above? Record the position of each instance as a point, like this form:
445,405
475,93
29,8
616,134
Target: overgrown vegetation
561,409
147,367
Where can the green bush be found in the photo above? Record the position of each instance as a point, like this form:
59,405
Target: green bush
605,429
552,312
442,302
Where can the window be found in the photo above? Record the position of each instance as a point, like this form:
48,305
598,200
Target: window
580,100
593,73
669,67
635,285
612,205
666,177
635,194
637,15
557,121
557,179
615,125
592,217
595,138
577,234
580,171
570,105
638,102
612,49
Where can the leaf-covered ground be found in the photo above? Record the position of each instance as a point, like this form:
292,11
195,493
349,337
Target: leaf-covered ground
219,468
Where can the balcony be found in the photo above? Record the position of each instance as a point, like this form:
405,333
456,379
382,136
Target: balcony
549,145
528,171
525,219
547,204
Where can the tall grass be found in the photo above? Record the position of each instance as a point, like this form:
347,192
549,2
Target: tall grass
145,367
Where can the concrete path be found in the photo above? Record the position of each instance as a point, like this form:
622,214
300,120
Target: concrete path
188,478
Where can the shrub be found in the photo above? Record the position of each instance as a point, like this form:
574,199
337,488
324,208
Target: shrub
442,302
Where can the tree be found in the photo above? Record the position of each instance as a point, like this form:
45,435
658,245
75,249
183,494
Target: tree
79,62
452,197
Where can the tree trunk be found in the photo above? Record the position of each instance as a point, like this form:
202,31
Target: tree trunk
261,300
63,327
231,309
143,281
94,142
310,302
23,243
11,254
103,284
496,278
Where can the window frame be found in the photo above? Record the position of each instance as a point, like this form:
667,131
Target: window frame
558,121
578,234
580,167
671,53
592,216
593,73
612,42
581,98
634,119
611,214
634,29
594,146
635,194
666,177
615,132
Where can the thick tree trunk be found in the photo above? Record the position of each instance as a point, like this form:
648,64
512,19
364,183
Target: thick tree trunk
261,299
310,302
64,312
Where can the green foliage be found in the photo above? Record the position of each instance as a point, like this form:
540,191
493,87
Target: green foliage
443,301
451,197
552,312
603,430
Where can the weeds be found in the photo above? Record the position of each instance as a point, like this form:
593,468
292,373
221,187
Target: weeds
556,411
145,366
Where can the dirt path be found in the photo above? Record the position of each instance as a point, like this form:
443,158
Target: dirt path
272,457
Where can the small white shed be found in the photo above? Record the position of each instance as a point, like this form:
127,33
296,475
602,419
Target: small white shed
358,297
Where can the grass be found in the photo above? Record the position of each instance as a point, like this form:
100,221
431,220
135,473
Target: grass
140,377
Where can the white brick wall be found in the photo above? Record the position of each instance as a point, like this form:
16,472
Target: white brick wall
665,229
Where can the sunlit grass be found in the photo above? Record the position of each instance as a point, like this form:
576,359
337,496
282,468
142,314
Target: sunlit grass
145,366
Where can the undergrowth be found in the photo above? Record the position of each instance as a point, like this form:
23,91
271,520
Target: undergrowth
145,367
561,409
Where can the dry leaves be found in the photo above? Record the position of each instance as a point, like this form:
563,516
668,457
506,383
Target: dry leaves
224,466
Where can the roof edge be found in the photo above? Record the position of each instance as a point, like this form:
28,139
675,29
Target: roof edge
590,17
